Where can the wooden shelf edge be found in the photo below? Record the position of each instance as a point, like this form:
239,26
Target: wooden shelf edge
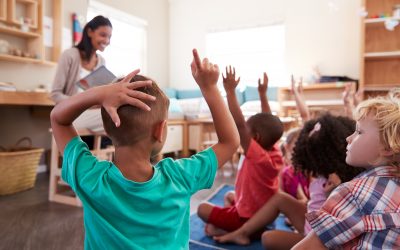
19,59
382,55
377,87
372,21
18,32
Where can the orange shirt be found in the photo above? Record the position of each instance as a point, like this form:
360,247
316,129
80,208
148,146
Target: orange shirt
257,179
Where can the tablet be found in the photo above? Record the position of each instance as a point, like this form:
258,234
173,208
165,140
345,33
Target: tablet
97,77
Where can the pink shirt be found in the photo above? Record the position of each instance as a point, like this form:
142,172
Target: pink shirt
257,179
317,199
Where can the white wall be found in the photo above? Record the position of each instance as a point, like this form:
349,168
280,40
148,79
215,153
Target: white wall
315,33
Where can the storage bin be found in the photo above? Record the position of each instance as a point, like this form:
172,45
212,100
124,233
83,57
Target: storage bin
18,167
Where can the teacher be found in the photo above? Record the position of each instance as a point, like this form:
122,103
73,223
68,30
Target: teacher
79,61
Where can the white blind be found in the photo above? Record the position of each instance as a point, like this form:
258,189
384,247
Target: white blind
252,51
127,49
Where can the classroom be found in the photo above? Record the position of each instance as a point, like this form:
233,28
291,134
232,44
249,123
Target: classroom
257,111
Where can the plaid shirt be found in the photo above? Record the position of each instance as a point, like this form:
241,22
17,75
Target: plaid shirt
361,214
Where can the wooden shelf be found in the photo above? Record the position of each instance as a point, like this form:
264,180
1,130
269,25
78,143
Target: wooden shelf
19,59
27,1
25,98
378,21
319,86
377,87
382,55
17,32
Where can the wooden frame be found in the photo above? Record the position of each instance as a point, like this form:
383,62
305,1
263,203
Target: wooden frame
3,10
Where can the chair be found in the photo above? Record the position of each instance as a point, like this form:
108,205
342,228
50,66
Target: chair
59,191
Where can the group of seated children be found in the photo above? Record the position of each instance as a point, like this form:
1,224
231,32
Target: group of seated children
337,181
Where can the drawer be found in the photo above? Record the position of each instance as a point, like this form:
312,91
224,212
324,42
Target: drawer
174,141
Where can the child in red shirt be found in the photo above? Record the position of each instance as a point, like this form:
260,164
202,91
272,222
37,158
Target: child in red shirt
257,179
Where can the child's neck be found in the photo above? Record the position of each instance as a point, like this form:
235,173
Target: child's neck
134,162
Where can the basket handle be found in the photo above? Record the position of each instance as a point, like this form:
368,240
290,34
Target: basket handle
20,141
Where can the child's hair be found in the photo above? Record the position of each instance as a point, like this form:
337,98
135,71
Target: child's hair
320,149
386,112
268,127
136,123
85,44
291,137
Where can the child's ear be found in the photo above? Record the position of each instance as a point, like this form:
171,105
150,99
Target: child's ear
387,152
257,137
158,131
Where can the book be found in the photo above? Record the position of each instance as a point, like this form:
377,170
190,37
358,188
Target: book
97,77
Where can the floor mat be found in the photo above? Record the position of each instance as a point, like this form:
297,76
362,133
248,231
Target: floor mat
198,239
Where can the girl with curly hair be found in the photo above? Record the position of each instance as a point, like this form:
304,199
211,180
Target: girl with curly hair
320,154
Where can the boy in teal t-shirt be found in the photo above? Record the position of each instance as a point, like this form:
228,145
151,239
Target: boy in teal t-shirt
128,203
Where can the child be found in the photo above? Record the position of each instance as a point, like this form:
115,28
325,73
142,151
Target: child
292,182
320,142
365,212
257,179
128,203
350,99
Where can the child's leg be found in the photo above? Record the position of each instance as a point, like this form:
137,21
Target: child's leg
219,219
229,198
279,203
276,239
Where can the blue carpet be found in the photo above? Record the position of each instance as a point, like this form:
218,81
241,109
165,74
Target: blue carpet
199,241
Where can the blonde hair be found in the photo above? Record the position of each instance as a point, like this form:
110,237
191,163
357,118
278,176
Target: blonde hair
386,112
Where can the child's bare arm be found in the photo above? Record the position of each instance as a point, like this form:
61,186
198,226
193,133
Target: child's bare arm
230,84
300,103
206,75
311,241
111,97
262,92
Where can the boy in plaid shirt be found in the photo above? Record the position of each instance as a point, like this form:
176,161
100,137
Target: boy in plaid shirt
365,212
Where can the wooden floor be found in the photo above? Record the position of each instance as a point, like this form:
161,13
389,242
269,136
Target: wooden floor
29,221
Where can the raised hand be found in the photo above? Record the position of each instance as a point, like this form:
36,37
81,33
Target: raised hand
204,73
263,87
230,82
122,93
299,89
347,94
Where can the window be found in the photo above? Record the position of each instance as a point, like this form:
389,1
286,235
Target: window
127,49
252,51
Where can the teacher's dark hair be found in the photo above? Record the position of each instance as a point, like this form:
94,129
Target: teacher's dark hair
85,45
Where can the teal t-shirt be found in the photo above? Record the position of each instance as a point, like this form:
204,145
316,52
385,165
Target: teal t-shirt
123,214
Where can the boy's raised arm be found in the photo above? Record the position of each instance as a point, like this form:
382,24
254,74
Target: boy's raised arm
206,75
111,97
262,92
230,84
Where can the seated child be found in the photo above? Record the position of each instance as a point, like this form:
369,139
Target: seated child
257,179
291,181
128,203
320,140
364,213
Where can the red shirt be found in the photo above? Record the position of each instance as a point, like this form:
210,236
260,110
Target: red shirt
257,179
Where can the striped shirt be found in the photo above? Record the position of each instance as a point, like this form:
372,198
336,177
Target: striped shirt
363,213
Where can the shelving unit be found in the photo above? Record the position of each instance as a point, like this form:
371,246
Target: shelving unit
319,96
380,50
27,44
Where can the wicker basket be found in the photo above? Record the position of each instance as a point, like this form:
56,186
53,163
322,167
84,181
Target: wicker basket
18,167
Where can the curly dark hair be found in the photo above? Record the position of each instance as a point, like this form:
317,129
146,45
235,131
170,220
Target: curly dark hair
323,152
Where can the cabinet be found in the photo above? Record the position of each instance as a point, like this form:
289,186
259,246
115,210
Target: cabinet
21,26
380,48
